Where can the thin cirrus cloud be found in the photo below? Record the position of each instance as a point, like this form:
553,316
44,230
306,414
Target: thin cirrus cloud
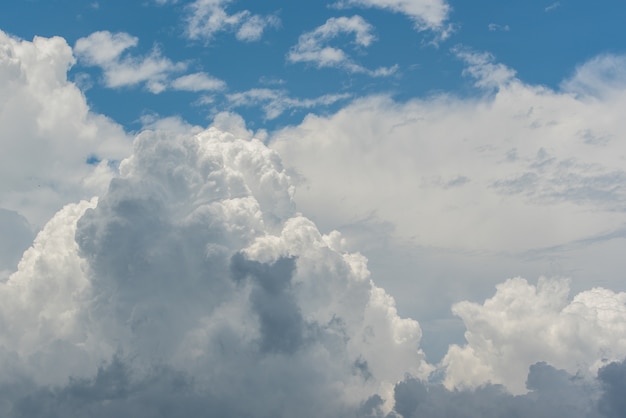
313,47
207,18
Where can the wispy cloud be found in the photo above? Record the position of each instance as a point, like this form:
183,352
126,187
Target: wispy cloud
109,51
493,27
209,17
553,6
276,102
313,47
198,82
426,14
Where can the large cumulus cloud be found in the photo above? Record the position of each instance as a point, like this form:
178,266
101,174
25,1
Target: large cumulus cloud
195,263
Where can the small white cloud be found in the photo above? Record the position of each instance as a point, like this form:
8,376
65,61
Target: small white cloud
493,27
426,14
198,82
552,6
252,29
106,50
209,17
312,47
276,102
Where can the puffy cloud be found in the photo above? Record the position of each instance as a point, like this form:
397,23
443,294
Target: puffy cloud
275,102
54,150
523,324
105,49
312,46
209,17
427,14
193,280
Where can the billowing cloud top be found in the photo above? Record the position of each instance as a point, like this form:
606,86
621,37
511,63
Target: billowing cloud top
195,260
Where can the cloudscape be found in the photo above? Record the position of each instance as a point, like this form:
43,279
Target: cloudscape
353,208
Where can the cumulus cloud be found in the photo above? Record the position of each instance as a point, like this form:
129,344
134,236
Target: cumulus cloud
312,47
523,324
426,14
275,102
54,149
194,276
209,17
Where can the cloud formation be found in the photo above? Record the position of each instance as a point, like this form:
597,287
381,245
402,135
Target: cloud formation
312,47
195,263
55,150
524,324
209,17
192,279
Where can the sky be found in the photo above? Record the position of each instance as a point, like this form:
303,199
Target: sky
360,208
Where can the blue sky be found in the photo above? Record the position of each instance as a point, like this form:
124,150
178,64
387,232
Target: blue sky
373,207
542,41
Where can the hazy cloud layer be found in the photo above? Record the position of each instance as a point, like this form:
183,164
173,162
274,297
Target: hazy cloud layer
520,167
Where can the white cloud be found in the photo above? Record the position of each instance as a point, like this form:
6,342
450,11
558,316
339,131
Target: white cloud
105,50
553,6
540,167
209,17
448,195
276,102
48,132
483,68
493,27
198,82
195,261
312,47
524,324
599,77
426,14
